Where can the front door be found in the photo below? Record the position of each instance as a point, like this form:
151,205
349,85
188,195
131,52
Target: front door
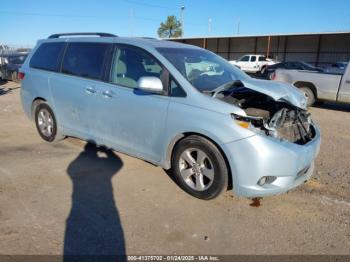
131,120
243,62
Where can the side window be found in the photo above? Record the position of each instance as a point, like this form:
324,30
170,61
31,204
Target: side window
291,65
131,63
262,58
295,66
47,56
175,89
85,59
245,58
253,58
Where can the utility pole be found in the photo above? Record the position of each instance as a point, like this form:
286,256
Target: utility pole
238,26
209,26
182,20
268,46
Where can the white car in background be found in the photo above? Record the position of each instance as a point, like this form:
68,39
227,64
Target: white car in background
253,63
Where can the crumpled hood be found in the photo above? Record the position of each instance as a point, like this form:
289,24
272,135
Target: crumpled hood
279,91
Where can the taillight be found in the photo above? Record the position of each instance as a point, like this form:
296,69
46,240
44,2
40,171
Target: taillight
21,75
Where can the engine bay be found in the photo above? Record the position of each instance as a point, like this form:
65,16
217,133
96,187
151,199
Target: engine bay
274,118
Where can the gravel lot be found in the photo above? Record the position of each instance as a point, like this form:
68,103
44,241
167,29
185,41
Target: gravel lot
63,199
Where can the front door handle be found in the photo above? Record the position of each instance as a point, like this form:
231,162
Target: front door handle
90,90
107,93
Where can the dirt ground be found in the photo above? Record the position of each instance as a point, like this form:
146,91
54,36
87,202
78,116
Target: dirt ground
66,198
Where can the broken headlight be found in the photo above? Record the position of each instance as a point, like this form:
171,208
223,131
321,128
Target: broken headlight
248,122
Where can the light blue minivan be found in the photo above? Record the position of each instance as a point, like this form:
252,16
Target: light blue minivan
175,105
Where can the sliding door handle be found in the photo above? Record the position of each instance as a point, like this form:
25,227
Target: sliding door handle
108,93
90,90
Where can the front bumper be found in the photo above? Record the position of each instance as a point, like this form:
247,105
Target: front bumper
258,156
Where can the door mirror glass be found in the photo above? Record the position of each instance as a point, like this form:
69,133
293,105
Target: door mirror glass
150,84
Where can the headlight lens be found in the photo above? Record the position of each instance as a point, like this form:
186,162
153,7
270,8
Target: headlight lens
248,122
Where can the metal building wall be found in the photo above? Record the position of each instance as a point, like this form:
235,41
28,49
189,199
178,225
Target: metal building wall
322,49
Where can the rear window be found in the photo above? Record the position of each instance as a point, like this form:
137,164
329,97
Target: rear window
17,60
47,56
85,59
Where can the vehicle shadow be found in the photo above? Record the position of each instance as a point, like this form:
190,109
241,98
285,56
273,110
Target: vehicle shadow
93,227
6,90
171,175
333,106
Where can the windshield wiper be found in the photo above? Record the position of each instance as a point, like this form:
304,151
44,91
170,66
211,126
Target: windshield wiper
226,86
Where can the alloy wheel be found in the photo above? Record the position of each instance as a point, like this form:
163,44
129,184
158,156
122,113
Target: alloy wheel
196,169
45,122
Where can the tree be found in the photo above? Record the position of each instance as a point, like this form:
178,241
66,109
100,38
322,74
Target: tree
171,28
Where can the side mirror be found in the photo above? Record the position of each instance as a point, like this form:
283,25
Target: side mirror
150,84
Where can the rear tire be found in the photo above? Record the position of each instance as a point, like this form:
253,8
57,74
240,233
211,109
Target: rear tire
309,94
46,123
199,167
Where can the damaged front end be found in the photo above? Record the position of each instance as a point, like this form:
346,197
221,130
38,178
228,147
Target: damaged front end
292,125
278,119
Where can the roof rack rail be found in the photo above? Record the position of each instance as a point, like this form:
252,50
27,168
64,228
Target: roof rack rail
147,37
82,34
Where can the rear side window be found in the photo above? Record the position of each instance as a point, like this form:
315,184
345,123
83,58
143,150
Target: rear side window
262,58
85,59
47,56
253,58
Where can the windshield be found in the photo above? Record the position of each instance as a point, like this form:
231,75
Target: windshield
203,69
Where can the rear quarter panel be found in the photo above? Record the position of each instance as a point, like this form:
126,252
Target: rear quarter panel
344,91
34,85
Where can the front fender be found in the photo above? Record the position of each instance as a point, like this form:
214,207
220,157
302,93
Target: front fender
184,119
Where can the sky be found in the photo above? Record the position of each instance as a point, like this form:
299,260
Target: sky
23,22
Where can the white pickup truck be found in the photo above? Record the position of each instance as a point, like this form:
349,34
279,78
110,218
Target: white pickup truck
253,63
318,86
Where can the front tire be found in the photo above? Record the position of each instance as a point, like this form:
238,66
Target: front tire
199,167
45,122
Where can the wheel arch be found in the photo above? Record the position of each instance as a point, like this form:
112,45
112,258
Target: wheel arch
35,103
310,85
